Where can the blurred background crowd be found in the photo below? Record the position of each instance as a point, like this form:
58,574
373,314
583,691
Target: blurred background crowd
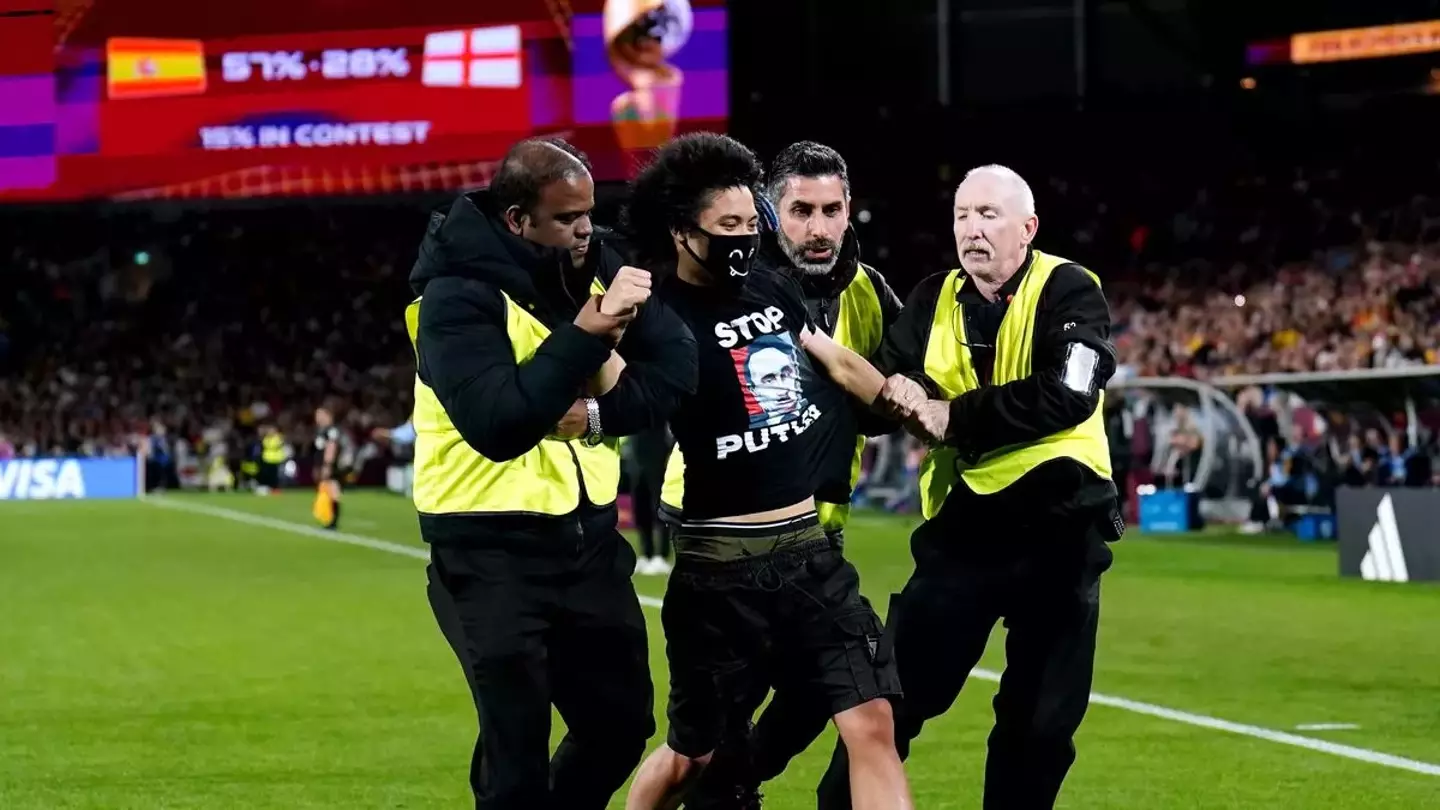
1242,226
188,333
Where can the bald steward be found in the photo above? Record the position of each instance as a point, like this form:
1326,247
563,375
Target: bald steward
544,193
1024,197
995,223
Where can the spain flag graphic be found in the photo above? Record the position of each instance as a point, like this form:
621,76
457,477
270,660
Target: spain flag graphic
146,68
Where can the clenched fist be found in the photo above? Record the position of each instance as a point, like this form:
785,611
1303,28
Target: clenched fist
630,289
930,422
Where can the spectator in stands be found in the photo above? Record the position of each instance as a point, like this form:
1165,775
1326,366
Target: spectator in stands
1363,469
1403,465
1183,453
1379,447
1280,490
1300,269
1397,456
206,333
1420,472
1303,461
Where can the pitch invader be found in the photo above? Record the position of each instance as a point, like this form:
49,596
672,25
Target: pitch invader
757,583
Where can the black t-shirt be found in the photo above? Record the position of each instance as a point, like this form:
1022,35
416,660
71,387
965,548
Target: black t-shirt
754,432
323,437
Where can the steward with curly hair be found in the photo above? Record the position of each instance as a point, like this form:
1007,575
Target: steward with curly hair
757,583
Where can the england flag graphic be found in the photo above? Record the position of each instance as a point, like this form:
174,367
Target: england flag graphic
478,57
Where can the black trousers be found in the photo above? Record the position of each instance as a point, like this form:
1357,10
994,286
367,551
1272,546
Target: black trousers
652,452
158,475
1044,581
536,631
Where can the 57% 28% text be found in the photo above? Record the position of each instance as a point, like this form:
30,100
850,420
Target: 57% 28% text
335,63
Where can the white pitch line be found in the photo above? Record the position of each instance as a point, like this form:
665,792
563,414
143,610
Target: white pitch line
293,528
1151,710
317,533
1326,727
1284,738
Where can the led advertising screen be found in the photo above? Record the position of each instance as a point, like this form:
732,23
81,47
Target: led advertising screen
1347,44
164,99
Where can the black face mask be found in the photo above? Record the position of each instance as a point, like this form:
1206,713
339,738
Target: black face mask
729,259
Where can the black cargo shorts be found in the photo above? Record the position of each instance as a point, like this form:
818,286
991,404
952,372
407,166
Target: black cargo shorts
776,601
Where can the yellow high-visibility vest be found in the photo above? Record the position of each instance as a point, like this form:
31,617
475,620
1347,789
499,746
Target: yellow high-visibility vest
672,492
272,449
452,478
860,326
948,363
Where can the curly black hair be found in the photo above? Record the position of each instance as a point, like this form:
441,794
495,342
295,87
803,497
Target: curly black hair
669,194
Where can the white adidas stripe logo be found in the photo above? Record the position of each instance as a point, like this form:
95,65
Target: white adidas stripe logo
1385,560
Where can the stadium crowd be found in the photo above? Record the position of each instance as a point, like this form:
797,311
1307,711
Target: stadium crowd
183,337
183,333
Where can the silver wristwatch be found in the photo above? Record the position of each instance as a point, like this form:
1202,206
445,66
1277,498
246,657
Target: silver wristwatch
593,435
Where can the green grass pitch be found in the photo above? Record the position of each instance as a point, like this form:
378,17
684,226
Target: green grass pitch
165,658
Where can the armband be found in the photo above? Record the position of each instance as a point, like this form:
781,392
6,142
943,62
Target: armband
1081,362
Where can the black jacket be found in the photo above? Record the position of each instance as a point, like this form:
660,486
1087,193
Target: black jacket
1072,310
822,301
503,409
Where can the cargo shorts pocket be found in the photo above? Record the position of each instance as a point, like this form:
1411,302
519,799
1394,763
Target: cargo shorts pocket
862,630
869,669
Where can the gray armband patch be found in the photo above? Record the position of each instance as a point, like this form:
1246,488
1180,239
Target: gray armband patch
1080,364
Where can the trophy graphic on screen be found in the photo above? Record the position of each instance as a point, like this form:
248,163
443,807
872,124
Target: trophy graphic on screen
640,36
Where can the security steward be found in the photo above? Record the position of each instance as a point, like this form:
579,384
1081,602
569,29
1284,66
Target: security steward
520,397
274,452
1005,363
809,236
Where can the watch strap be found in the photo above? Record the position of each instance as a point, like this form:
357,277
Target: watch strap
593,433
